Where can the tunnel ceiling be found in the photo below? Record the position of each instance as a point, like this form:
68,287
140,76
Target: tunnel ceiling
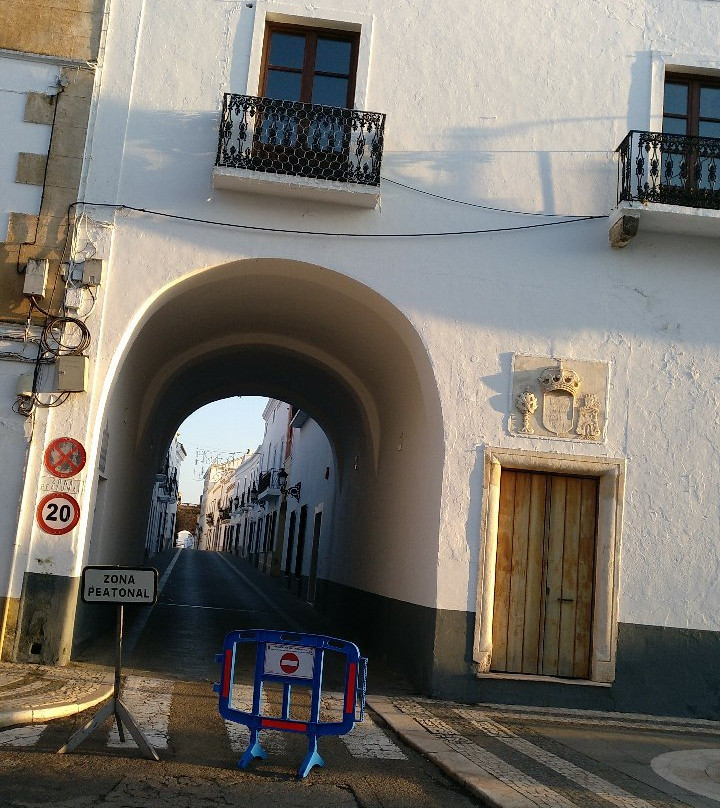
284,329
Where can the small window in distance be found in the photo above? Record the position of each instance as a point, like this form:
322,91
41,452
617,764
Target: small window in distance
691,105
312,65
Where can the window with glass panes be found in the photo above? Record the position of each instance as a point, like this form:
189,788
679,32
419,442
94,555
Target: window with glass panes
691,106
312,65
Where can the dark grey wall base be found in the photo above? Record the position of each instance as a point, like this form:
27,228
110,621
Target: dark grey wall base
402,634
662,671
668,671
92,620
46,618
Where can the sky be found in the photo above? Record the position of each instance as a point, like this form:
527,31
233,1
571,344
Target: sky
229,425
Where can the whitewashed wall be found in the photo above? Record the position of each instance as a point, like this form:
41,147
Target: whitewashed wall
14,442
311,456
20,75
520,111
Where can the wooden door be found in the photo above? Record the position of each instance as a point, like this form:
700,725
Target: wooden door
544,574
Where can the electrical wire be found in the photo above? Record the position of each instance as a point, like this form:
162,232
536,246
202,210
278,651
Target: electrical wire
483,207
293,232
52,337
53,345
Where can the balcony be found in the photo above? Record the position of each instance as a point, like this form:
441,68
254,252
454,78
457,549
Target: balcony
668,183
268,486
287,148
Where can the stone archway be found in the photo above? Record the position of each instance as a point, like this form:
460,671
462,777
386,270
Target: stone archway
343,354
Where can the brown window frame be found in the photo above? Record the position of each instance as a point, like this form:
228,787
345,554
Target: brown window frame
308,72
694,82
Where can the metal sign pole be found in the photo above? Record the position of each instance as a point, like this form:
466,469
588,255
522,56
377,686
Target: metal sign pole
114,705
118,668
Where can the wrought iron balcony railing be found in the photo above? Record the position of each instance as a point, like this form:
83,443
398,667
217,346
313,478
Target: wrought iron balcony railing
268,483
672,169
303,140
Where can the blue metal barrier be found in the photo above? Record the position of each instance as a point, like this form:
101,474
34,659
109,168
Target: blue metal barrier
289,659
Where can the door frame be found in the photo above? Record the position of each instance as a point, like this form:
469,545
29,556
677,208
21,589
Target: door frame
610,473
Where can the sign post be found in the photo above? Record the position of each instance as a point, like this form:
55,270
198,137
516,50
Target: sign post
119,585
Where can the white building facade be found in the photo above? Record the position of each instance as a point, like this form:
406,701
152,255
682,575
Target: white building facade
522,418
164,501
275,509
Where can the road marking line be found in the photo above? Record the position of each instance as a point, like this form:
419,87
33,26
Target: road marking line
366,739
149,701
213,608
597,785
560,715
22,736
516,779
273,742
132,634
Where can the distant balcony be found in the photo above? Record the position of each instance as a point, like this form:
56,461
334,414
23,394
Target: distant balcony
268,485
669,183
306,150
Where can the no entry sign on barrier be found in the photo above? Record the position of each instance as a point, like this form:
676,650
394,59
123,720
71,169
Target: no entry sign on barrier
289,660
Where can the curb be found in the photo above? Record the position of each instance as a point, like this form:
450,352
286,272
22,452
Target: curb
477,780
34,715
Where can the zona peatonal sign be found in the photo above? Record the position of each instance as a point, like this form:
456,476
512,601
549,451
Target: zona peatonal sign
119,584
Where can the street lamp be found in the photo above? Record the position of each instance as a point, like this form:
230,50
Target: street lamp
253,495
293,491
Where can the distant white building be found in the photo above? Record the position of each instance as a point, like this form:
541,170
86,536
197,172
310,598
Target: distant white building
276,507
185,539
163,504
215,503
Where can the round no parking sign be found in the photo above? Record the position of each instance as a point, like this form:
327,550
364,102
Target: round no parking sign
65,457
57,513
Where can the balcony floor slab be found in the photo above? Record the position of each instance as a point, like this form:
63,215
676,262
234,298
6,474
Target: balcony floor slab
660,218
330,191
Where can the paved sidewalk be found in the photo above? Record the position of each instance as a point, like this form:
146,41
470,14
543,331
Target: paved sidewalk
34,693
521,757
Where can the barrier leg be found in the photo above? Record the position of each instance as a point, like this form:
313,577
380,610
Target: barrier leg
253,751
311,759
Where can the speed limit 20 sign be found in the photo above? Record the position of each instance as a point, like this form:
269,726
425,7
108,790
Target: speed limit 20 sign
57,513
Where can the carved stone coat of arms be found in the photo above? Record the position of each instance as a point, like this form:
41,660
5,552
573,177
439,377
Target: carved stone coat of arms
562,398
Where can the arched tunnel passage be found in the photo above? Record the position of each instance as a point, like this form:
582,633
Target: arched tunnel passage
348,358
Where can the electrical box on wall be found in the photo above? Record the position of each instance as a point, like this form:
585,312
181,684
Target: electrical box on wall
92,270
24,386
72,374
83,273
73,298
36,272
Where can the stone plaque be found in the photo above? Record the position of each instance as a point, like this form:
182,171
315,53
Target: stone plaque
559,398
